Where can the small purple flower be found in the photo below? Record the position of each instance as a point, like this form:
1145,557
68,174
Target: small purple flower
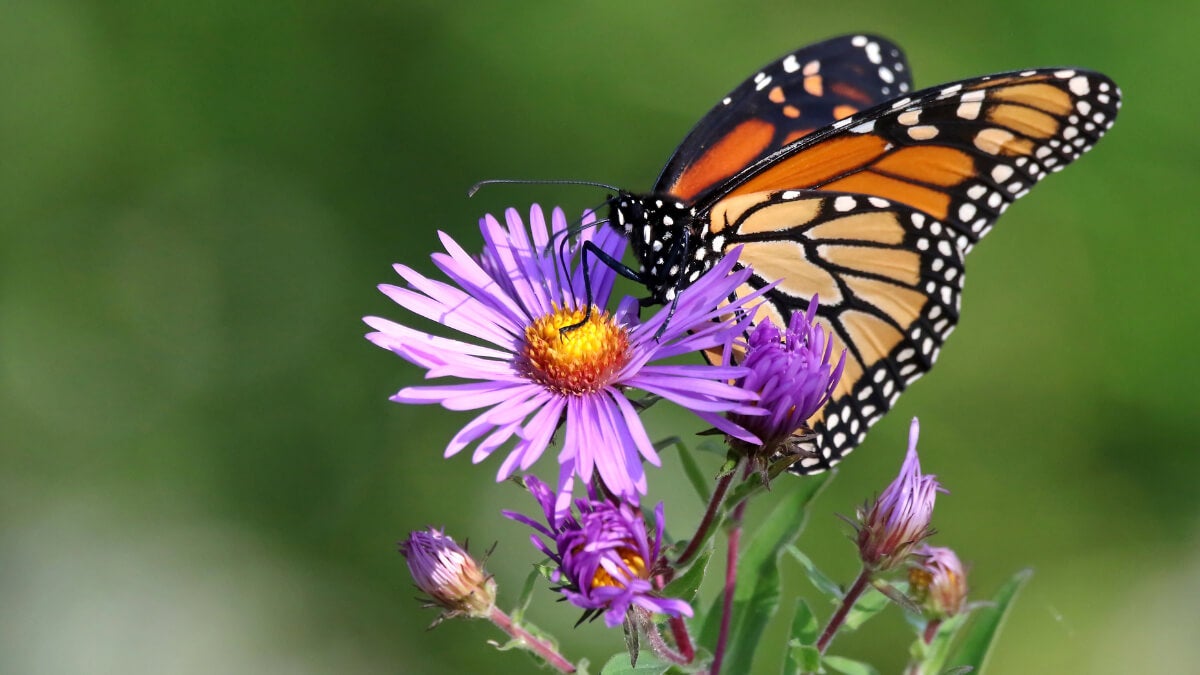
604,554
899,520
451,577
938,581
790,371
527,376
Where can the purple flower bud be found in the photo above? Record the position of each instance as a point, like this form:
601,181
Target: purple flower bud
445,571
899,520
604,554
791,372
938,581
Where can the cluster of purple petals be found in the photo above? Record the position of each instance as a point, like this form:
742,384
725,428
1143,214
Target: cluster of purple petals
792,373
596,541
900,518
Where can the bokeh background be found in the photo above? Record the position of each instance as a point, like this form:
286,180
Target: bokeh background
199,468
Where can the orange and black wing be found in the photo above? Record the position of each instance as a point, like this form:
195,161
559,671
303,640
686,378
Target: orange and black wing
801,92
889,278
876,213
961,153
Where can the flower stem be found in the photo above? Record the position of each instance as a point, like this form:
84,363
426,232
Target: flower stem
683,640
714,503
835,622
731,560
660,647
537,645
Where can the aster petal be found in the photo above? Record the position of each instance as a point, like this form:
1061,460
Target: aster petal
493,441
636,430
695,395
459,312
393,336
539,430
465,396
723,424
516,273
478,282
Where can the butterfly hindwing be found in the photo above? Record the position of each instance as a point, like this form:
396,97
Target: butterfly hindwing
889,279
793,96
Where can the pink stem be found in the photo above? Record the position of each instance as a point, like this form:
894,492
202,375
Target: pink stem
714,503
731,560
835,622
535,644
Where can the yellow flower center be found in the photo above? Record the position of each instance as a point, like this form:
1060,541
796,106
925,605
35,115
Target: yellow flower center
632,560
579,361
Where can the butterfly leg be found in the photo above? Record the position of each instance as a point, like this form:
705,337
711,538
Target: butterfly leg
616,265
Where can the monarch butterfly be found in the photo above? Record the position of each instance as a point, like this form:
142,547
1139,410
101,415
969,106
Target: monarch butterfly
837,181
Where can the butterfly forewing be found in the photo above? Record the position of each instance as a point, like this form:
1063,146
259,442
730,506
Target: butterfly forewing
788,99
961,152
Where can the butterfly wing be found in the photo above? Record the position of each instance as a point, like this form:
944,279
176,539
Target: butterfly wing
889,279
801,92
876,212
961,152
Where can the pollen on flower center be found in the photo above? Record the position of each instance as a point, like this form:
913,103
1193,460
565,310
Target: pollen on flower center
580,361
632,560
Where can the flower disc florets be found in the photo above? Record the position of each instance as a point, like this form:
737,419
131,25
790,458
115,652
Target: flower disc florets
568,355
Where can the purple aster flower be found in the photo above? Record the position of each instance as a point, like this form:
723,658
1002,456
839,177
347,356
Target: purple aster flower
899,520
938,580
448,574
604,554
790,370
527,376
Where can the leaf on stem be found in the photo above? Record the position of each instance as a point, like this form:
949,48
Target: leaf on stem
979,639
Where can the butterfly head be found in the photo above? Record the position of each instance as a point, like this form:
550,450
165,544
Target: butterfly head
660,233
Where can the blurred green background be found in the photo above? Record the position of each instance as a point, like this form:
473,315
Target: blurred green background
199,468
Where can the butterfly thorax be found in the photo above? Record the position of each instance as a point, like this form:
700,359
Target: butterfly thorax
666,239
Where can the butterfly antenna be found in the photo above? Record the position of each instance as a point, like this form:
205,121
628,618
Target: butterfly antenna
532,181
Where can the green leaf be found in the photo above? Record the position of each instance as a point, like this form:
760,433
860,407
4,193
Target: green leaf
526,595
979,639
804,624
818,579
758,590
648,664
691,469
870,603
687,585
932,656
801,659
801,655
849,666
